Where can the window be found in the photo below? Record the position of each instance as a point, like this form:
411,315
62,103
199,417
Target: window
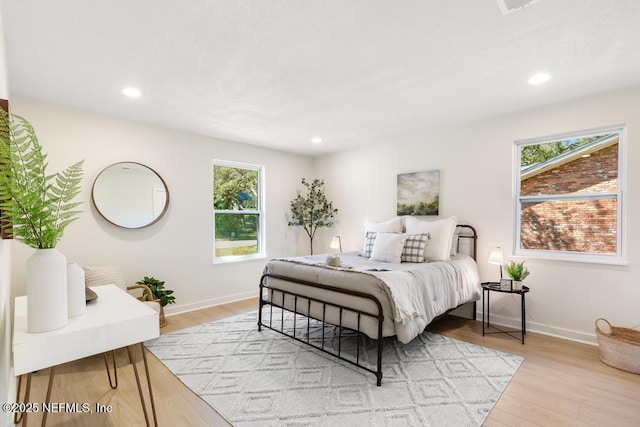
568,198
237,211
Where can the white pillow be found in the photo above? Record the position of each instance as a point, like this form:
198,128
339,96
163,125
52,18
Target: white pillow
441,233
394,225
104,275
388,247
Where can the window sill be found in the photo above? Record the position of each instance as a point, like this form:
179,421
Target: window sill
239,259
569,257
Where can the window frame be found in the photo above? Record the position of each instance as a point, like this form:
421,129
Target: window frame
260,211
619,258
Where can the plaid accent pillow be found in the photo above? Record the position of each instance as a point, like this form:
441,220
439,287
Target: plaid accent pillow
369,240
413,250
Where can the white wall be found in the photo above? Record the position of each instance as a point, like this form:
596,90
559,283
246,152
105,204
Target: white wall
475,163
177,249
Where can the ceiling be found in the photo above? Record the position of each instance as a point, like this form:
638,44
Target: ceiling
354,72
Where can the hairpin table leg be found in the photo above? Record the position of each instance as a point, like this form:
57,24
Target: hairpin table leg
22,416
48,398
146,368
115,369
142,400
19,416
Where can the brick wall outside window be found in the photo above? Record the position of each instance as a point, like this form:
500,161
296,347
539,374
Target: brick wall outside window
573,225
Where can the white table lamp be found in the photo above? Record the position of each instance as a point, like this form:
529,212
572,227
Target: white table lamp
496,256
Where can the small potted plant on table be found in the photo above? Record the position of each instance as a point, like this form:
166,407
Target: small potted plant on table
158,293
518,272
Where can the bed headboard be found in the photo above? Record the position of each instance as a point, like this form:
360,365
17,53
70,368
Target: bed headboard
467,240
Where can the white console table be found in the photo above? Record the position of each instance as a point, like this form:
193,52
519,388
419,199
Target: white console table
115,319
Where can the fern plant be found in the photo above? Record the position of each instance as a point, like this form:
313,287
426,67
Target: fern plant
35,207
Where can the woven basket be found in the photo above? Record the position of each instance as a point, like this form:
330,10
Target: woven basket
163,319
620,347
161,316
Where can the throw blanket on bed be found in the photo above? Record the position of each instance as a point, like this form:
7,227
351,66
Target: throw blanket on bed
417,292
399,285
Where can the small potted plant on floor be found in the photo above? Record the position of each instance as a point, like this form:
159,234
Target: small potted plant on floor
158,293
518,272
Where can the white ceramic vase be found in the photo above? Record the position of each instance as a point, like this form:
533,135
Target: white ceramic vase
76,297
517,285
46,291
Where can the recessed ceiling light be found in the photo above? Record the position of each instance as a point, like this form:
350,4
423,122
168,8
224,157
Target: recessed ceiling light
316,140
539,78
131,92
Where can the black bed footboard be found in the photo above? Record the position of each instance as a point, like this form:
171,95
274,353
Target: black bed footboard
315,308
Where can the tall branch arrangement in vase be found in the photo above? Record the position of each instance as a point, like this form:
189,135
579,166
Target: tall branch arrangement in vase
312,210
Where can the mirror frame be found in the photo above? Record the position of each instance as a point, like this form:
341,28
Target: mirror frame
166,203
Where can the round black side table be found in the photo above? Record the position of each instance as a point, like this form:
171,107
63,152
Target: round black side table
487,288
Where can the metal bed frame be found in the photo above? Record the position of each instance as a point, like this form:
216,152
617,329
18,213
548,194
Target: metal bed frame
377,314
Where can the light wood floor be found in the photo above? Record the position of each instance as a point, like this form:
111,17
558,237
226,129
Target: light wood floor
559,383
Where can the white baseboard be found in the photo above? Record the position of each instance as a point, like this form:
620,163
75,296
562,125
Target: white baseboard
184,308
543,329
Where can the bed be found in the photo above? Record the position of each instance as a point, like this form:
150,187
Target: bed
360,293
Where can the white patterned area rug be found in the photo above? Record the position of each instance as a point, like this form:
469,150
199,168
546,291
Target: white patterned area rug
266,379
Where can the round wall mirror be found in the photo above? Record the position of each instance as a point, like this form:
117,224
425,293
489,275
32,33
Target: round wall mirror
130,195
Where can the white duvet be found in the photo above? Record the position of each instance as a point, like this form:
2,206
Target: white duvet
416,292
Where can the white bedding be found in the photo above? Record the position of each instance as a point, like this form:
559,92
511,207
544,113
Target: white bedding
412,294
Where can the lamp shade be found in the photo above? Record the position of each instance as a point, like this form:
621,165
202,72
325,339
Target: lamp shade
496,256
336,243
